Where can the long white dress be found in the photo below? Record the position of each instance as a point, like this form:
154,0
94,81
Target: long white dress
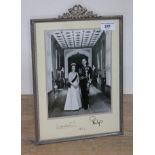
73,100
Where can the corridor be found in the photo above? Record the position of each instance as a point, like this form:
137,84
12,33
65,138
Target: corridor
98,103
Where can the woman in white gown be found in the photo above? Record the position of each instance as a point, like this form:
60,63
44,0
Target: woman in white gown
73,100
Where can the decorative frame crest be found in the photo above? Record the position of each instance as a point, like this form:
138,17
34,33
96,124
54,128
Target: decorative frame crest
78,12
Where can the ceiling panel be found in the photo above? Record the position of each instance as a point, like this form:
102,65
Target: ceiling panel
77,38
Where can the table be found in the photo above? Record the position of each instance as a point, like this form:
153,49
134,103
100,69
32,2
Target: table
111,145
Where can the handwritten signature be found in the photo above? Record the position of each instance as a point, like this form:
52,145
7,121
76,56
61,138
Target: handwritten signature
95,121
71,124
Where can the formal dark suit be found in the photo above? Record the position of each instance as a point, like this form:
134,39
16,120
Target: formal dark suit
85,73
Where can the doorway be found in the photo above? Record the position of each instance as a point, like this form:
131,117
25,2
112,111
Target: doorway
77,58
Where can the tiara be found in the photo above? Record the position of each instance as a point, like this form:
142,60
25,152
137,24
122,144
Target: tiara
73,64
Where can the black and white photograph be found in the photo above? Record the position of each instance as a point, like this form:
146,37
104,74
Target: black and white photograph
78,71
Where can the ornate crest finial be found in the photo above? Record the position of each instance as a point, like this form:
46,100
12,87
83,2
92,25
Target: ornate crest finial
77,12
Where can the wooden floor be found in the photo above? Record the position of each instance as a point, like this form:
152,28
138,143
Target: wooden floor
112,145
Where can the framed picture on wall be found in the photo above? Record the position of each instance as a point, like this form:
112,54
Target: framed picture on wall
77,75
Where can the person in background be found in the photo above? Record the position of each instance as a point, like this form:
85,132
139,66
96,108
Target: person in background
94,76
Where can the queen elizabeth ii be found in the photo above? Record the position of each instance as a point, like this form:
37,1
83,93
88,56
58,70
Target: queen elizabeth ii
73,100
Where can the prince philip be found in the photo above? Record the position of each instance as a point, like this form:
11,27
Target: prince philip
85,74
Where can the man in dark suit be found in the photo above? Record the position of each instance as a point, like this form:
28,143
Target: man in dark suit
85,74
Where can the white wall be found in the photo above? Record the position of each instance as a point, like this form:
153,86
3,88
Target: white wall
53,8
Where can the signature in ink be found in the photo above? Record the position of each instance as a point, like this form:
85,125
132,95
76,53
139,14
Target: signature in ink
71,124
95,121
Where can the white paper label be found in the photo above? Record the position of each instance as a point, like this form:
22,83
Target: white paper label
107,26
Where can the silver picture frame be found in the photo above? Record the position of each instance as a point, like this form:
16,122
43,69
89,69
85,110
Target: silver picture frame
76,13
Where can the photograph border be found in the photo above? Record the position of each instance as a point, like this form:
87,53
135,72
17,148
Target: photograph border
76,17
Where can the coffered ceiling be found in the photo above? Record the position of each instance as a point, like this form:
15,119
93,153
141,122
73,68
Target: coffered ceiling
77,38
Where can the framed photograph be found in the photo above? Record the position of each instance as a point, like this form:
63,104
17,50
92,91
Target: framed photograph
77,75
